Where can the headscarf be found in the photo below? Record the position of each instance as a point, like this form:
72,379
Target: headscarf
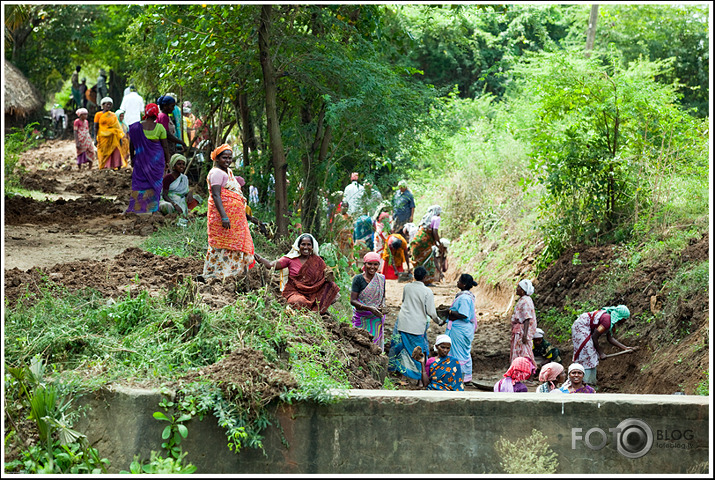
539,333
187,104
175,158
521,369
527,286
371,257
431,212
550,372
81,111
105,100
442,339
151,110
165,100
617,313
402,183
119,112
354,176
295,250
576,366
220,149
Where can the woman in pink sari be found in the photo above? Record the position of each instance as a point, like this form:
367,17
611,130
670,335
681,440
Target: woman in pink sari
523,323
367,296
83,140
521,369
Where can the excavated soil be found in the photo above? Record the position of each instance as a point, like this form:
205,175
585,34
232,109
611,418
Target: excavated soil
65,239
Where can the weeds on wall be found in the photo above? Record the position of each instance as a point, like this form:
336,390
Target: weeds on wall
529,455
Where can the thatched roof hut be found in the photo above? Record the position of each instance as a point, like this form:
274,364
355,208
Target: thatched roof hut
21,97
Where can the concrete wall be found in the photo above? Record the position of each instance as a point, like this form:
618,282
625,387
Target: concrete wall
391,432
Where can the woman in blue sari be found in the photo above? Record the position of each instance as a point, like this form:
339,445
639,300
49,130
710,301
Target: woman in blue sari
441,372
462,324
149,152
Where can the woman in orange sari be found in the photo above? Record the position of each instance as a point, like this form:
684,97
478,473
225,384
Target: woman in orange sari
230,249
308,286
108,135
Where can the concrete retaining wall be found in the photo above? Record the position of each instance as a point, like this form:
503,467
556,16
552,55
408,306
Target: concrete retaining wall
390,432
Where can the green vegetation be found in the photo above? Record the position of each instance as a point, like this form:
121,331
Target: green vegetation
18,141
529,455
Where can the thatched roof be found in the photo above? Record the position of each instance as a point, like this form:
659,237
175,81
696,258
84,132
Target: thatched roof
21,98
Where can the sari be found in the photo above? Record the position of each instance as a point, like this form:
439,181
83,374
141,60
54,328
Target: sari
400,257
565,388
521,368
109,136
309,288
445,374
230,250
582,330
177,192
423,255
373,296
400,354
83,141
363,231
147,172
124,145
462,331
344,237
523,309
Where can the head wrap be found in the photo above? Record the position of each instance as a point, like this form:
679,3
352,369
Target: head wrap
442,339
354,176
576,366
383,216
119,112
186,109
431,212
83,79
105,100
151,110
550,372
402,183
175,158
617,313
539,333
220,149
187,104
165,100
521,369
527,286
81,111
295,250
371,257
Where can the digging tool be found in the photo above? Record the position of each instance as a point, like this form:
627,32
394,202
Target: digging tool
622,352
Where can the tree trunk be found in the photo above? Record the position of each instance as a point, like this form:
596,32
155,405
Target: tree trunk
248,134
591,35
280,166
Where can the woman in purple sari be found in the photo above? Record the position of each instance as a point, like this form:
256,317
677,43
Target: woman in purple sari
367,296
149,152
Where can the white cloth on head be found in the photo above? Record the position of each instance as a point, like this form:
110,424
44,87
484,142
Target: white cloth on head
576,366
539,333
442,339
295,250
527,286
105,100
431,212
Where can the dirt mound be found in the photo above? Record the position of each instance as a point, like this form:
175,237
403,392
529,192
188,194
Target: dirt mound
132,269
104,182
40,182
23,210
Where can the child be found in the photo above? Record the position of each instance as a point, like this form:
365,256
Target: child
82,139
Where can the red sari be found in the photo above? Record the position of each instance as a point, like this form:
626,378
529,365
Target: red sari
309,288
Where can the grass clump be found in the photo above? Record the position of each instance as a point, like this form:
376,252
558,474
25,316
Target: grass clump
529,455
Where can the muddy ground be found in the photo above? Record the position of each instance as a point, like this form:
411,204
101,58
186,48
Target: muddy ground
78,238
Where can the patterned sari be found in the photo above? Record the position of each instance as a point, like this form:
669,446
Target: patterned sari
373,296
83,141
400,257
147,172
421,253
109,136
230,250
445,374
523,309
309,288
363,231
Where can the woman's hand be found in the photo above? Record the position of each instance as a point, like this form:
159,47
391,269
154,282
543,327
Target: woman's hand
417,354
226,223
375,311
524,339
601,355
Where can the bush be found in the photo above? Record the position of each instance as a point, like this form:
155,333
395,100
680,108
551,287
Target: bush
527,455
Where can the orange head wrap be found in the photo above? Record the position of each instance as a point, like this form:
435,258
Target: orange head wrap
220,149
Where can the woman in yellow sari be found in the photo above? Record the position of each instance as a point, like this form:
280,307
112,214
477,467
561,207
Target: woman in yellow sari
109,134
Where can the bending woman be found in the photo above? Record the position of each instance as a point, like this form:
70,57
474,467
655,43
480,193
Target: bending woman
149,155
586,331
523,323
427,237
367,296
521,369
230,249
462,324
394,256
441,372
307,285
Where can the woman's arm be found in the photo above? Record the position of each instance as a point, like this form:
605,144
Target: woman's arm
170,137
95,131
612,340
265,262
216,195
594,337
525,331
361,306
407,259
419,357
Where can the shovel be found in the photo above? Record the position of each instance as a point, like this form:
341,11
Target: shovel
622,352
